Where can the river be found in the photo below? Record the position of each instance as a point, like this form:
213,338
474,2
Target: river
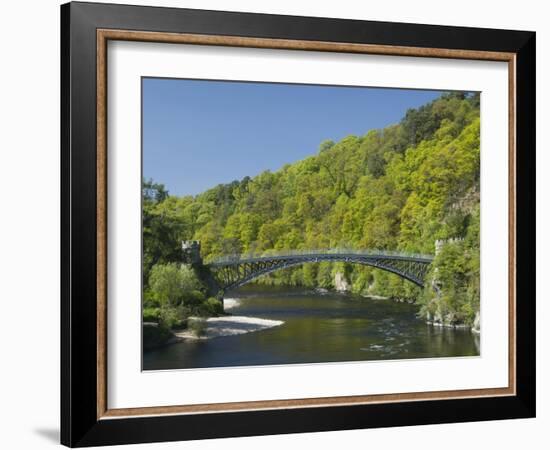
274,325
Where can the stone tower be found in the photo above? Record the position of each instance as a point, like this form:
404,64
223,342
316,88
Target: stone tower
191,252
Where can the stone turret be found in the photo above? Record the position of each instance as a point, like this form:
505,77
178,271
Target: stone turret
439,243
191,252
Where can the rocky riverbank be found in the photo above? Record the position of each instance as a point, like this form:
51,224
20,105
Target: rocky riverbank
449,322
342,285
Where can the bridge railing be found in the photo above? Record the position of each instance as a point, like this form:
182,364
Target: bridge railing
332,251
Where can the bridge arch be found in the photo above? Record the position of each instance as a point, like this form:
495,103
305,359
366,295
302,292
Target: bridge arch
233,273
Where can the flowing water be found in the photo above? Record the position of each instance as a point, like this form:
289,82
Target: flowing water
270,325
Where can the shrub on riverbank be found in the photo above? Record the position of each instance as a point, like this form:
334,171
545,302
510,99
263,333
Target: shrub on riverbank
155,335
197,326
174,294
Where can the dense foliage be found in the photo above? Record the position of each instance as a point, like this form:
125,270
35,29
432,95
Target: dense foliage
399,188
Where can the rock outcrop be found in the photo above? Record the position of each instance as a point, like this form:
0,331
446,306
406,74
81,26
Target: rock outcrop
476,326
341,284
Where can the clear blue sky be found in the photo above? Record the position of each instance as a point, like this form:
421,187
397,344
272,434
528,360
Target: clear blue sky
197,134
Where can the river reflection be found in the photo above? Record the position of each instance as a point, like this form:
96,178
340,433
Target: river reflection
316,327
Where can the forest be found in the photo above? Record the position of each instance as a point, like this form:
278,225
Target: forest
398,188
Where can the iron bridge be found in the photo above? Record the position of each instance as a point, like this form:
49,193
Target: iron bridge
231,272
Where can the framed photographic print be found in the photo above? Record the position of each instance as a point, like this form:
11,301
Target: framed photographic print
277,224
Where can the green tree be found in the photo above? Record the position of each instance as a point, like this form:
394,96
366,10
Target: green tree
173,283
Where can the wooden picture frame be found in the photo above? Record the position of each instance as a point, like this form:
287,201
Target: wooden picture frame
86,418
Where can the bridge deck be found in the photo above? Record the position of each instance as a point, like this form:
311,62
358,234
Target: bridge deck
322,256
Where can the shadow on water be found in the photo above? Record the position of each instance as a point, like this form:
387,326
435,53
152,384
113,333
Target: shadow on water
303,326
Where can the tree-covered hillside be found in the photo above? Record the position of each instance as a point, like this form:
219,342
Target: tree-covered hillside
399,188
